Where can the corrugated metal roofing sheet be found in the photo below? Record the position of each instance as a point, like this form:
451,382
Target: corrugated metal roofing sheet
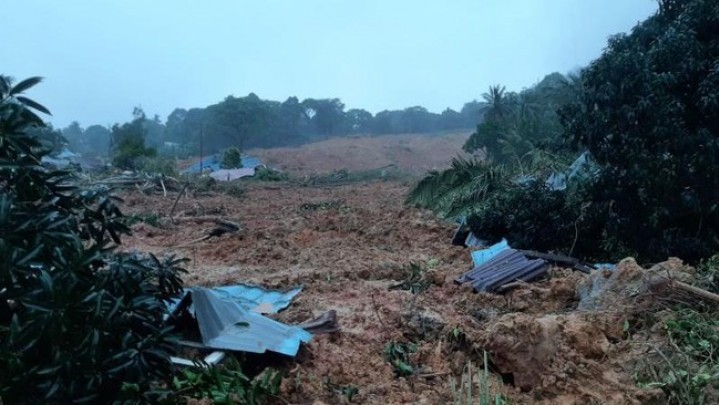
480,257
224,324
505,266
256,298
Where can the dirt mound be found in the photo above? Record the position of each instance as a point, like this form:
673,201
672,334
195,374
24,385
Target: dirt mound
410,153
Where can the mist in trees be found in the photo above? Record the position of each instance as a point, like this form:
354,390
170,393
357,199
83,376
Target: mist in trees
249,122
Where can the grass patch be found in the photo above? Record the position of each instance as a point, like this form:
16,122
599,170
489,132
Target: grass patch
474,387
344,176
687,368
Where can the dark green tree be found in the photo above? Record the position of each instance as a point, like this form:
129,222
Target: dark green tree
79,322
128,143
231,158
649,115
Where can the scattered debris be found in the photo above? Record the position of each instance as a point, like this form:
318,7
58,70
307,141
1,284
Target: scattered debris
425,323
464,237
212,163
222,228
210,360
323,324
559,259
322,206
145,183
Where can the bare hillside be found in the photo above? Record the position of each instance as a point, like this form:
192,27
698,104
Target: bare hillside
411,153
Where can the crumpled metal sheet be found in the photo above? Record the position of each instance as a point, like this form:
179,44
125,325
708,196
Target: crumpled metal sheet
226,325
479,257
258,299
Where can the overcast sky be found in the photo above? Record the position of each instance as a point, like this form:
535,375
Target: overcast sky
102,57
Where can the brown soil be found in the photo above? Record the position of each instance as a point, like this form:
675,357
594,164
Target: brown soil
542,348
410,153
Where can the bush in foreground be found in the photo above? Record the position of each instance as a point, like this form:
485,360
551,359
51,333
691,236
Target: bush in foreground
79,322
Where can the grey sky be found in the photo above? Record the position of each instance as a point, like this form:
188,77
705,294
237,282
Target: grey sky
102,57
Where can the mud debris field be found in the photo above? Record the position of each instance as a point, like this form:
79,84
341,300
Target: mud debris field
348,244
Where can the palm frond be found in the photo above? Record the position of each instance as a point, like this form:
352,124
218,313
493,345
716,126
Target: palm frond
456,190
24,85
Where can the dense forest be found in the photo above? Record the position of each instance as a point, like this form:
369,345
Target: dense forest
248,122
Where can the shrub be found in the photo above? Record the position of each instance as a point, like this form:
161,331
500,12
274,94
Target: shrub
78,321
227,384
157,165
267,174
231,158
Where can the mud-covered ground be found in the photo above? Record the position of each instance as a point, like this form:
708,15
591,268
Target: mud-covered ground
347,245
410,153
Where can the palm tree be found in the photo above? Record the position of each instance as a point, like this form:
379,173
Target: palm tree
497,103
457,190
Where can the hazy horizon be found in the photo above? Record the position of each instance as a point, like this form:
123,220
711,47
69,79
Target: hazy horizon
100,59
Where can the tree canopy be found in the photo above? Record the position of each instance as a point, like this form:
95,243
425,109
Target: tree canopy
79,322
646,115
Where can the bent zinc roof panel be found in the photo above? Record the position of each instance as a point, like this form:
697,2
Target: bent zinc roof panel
505,266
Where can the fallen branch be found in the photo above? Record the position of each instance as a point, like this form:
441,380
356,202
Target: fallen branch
177,200
222,228
695,290
561,259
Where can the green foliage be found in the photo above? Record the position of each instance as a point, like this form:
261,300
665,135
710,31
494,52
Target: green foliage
227,384
475,389
648,115
515,125
415,280
91,141
157,165
78,321
344,176
533,216
688,372
128,143
231,158
267,174
398,355
646,111
250,122
708,274
458,189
